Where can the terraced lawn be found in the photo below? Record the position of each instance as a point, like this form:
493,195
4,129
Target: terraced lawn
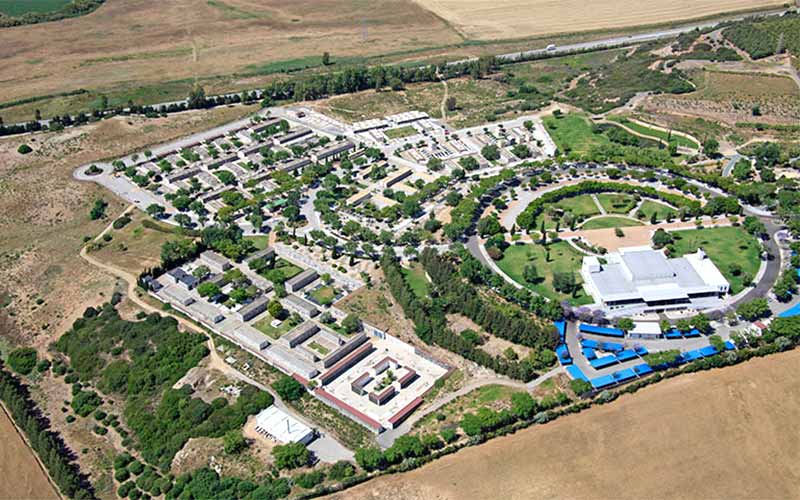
724,246
415,275
661,210
616,203
610,221
563,258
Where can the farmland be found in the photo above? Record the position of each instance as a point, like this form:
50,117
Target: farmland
644,437
486,20
19,462
15,8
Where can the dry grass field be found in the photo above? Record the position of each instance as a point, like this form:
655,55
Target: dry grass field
730,433
497,19
130,43
44,283
18,462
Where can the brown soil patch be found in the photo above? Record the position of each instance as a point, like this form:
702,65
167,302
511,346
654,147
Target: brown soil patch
491,19
17,461
730,433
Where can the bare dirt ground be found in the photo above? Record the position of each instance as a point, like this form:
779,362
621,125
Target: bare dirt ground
126,43
730,433
17,461
493,19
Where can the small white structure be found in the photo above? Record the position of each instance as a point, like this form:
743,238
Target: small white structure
645,330
282,427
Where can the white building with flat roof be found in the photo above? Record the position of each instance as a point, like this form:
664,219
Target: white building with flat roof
282,427
640,279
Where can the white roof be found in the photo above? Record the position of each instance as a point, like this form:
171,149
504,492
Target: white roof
646,328
282,426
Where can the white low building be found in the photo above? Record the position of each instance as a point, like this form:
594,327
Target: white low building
282,427
640,279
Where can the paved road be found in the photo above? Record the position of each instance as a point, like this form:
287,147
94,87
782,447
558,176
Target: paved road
325,447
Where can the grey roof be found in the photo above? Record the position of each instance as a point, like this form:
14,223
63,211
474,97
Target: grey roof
647,265
259,304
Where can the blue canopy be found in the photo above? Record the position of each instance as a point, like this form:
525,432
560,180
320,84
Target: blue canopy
563,354
603,362
592,344
642,369
626,355
641,350
589,353
576,373
601,382
611,347
624,375
600,330
561,326
709,350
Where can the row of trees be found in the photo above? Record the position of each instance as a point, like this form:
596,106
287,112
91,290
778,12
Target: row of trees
47,444
431,325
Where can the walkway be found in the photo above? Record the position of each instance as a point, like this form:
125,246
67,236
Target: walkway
325,447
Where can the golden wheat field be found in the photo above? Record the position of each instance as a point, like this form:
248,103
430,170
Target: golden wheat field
495,19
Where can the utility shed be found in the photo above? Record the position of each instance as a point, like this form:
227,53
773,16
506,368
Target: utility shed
282,427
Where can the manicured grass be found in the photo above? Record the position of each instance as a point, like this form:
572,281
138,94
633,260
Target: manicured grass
724,246
415,275
324,295
658,134
573,132
319,348
563,258
273,332
400,132
288,269
661,210
17,8
260,242
616,203
581,205
610,221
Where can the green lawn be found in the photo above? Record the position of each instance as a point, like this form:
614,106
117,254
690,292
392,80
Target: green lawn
400,132
274,332
616,203
288,269
260,242
17,8
573,132
415,275
658,134
724,246
610,221
661,210
324,295
317,347
581,205
563,258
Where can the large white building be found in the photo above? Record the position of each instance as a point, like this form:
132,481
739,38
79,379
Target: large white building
640,279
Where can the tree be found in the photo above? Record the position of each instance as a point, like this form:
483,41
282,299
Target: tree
197,97
183,220
351,323
24,149
523,406
753,310
564,282
155,210
580,386
209,290
291,456
234,442
661,238
702,323
370,459
435,164
326,58
341,470
22,360
450,103
530,274
711,147
288,388
625,324
275,308
489,226
491,152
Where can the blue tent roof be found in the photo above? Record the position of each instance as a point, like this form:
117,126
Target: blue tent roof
589,353
641,350
673,334
561,326
793,311
626,355
601,382
611,347
600,330
642,369
624,375
709,350
729,345
576,373
693,333
563,354
689,356
603,362
592,344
